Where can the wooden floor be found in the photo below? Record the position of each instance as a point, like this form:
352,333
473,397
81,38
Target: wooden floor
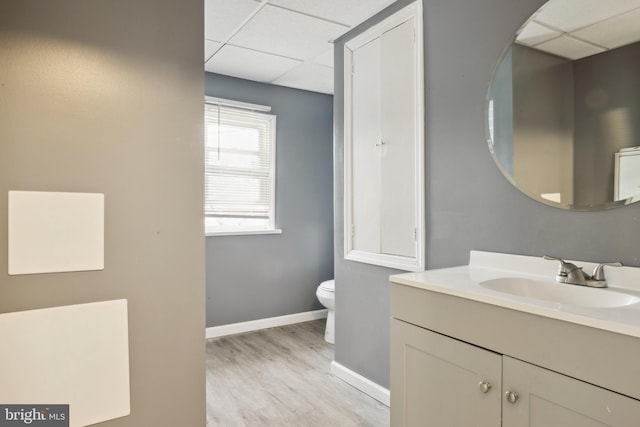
280,377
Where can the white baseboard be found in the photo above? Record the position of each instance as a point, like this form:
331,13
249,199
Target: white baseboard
363,384
271,322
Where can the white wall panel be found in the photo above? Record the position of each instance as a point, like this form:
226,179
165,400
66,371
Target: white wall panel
76,355
54,232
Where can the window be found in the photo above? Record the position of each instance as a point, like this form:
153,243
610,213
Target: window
239,168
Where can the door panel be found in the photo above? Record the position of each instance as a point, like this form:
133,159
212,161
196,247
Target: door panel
398,133
366,156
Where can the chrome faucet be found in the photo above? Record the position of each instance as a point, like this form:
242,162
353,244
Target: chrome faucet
573,275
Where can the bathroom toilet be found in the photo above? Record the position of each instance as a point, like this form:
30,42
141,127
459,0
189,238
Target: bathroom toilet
326,296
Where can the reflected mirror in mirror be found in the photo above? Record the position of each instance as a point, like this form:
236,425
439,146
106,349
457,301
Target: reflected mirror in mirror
563,107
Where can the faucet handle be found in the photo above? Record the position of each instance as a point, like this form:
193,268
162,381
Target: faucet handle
598,272
554,259
564,266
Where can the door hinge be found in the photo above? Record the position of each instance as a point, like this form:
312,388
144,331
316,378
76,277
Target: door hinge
415,234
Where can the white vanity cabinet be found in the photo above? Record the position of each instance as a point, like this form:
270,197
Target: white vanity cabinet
451,366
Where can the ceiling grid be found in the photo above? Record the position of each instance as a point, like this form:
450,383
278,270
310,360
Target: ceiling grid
600,26
282,42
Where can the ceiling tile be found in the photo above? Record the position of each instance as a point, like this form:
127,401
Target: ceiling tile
248,64
350,12
282,32
222,17
569,47
563,14
307,76
210,47
325,58
534,33
615,32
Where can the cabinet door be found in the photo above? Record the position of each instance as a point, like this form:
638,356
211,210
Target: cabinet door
435,380
549,399
398,135
365,168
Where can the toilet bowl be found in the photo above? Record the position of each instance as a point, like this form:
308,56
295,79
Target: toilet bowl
326,296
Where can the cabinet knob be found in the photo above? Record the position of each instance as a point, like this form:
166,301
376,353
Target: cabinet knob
485,386
511,396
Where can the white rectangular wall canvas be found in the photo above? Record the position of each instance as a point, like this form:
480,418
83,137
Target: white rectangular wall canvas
76,355
52,232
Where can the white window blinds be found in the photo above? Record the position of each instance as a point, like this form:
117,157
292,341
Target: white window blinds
239,167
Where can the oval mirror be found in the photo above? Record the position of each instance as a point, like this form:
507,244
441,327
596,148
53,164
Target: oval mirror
563,107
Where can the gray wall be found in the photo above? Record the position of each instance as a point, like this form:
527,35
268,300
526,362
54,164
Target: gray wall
470,205
543,123
607,118
260,276
106,97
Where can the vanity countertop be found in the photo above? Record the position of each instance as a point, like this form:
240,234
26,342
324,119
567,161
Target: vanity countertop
463,281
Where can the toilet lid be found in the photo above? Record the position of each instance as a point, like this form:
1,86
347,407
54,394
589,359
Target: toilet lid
328,285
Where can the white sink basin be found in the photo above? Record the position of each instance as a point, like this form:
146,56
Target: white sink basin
561,293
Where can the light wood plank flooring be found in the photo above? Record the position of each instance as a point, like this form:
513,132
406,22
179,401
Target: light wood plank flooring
281,377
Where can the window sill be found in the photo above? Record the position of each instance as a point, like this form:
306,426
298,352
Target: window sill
242,232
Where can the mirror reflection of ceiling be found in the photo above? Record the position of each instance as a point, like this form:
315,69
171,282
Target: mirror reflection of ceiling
600,25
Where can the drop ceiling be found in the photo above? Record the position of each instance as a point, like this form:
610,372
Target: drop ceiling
282,42
576,29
